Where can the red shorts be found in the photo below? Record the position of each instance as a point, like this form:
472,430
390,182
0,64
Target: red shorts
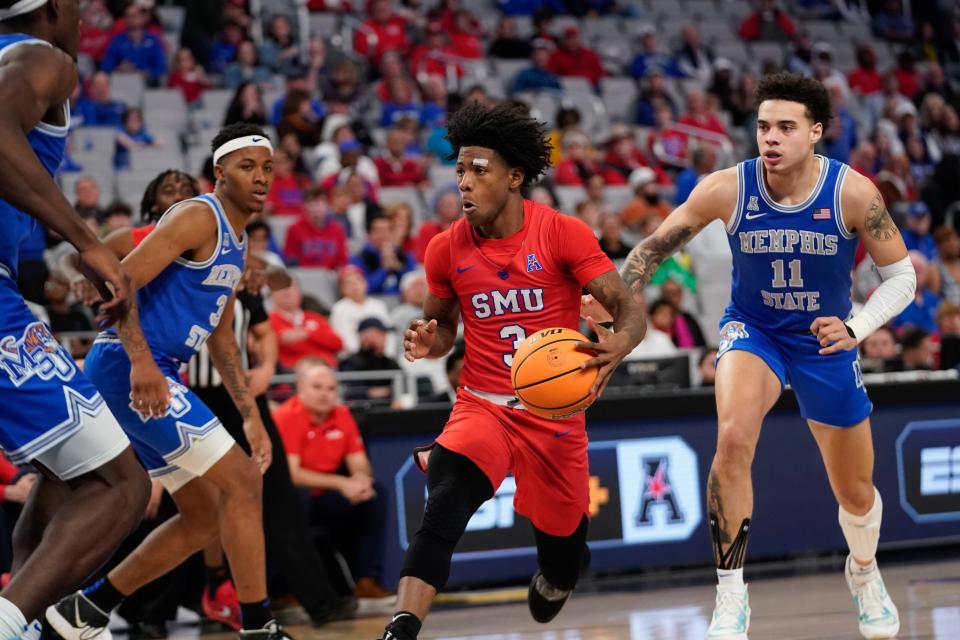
548,458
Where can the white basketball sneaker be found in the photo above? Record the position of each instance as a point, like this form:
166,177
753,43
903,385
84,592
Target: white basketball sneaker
876,612
731,616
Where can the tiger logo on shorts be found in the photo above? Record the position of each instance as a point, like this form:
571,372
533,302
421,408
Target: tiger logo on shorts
730,333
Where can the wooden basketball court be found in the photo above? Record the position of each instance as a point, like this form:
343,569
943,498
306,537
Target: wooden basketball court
814,607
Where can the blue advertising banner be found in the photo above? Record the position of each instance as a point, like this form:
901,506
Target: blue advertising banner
647,482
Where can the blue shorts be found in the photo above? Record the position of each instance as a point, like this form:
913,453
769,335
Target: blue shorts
176,448
49,411
829,388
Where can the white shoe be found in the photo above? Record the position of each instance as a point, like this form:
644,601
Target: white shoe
731,617
877,614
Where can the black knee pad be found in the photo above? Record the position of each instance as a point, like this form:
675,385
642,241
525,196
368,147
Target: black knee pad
456,487
561,558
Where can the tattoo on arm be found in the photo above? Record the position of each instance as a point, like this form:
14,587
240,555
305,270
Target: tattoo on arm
878,223
644,259
131,333
226,358
610,291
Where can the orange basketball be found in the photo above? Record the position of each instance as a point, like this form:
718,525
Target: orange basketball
547,377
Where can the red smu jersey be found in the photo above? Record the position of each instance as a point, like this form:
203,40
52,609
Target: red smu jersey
511,287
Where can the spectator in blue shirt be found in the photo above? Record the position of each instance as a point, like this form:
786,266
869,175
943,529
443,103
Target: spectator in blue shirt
537,77
383,263
893,23
399,104
97,108
136,49
224,49
916,231
246,68
840,137
133,134
702,160
298,80
649,59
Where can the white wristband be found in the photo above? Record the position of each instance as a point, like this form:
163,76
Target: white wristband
888,300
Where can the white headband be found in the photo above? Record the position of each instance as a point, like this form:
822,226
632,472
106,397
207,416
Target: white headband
239,143
21,7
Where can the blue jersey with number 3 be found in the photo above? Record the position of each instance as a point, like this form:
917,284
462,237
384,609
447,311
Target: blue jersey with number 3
793,263
181,307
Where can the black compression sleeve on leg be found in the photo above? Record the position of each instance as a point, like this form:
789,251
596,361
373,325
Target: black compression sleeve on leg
456,488
562,557
736,553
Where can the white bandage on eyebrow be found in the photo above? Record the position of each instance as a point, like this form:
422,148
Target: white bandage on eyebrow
888,300
21,7
480,162
239,143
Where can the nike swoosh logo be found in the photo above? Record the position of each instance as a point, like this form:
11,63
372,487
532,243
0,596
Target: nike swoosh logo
464,269
752,216
560,434
255,139
226,249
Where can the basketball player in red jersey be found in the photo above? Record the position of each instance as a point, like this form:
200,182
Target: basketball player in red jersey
510,267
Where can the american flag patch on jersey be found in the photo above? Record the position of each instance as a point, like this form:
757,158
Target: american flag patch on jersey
821,214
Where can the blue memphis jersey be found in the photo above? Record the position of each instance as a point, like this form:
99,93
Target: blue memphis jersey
181,307
48,142
791,264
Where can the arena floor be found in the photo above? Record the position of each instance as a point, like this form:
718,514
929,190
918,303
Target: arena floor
814,607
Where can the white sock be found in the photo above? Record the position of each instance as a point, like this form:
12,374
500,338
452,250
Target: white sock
12,622
731,579
863,532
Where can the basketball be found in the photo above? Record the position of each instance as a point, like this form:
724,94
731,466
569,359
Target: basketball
547,377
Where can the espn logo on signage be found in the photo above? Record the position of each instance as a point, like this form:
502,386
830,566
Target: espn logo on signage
928,469
497,512
939,471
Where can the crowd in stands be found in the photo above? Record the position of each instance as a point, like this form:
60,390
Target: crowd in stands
360,186
641,101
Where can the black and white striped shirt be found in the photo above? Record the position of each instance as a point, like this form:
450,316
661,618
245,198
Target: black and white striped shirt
248,311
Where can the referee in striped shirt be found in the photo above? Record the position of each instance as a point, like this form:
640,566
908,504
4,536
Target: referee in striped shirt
291,553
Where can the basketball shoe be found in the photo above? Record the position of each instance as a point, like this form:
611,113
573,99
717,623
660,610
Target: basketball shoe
223,605
544,599
76,618
731,615
270,631
876,612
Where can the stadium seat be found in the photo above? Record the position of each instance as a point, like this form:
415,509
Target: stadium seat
574,84
568,197
127,88
99,141
620,97
213,107
408,195
507,69
164,108
279,226
132,184
171,17
324,25
322,284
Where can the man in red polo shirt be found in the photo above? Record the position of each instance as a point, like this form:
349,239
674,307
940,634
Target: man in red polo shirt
327,459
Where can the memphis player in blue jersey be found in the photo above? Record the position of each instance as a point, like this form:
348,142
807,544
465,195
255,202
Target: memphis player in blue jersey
92,491
186,273
793,219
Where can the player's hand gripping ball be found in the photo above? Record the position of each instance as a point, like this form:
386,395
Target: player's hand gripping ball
546,374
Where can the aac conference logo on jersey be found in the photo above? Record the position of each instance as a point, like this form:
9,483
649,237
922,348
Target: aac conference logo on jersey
928,463
642,491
